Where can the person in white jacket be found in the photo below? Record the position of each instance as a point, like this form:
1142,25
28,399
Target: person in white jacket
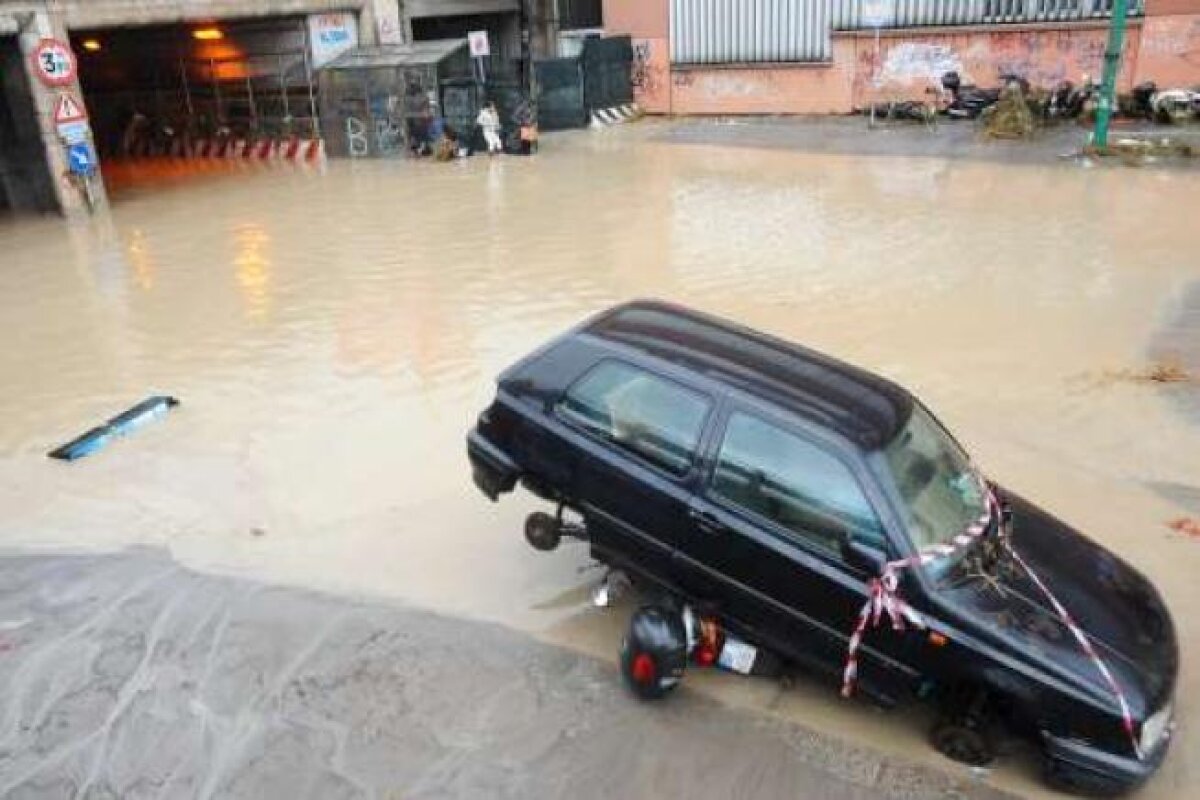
489,120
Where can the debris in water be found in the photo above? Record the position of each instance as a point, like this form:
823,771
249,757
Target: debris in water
1186,525
256,532
1158,372
123,423
1133,150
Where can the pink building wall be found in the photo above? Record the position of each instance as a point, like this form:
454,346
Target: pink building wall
1163,47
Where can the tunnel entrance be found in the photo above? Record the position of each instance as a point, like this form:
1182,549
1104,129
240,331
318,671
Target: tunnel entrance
26,185
188,90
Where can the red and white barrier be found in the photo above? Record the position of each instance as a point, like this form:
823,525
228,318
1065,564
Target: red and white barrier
295,150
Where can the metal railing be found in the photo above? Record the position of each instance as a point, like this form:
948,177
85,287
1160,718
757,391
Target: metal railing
737,31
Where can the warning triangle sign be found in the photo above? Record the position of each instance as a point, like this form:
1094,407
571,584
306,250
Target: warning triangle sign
68,109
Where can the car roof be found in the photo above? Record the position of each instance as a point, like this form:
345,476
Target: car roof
859,405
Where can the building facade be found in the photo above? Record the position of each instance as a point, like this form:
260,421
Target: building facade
149,69
820,56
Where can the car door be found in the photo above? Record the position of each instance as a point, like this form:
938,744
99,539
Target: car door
769,532
636,433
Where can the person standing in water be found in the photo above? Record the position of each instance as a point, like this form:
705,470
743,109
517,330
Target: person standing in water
489,121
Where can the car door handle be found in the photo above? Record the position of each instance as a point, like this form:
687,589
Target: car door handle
706,522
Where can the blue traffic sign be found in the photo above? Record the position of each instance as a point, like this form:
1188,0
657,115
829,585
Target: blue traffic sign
80,159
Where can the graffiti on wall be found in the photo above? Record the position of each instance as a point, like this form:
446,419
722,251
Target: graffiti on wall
644,73
1170,52
1043,57
909,62
650,74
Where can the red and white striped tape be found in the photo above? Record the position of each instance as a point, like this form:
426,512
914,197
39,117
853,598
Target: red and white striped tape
884,600
296,150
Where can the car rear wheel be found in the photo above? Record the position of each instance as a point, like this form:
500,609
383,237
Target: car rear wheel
542,531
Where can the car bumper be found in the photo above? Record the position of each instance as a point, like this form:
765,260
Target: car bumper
1078,766
491,468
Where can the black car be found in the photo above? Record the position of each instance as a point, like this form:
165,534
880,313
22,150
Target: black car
823,513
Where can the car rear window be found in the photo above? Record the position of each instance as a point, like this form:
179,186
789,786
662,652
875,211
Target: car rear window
638,411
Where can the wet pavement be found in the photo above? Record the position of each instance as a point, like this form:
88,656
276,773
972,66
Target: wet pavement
1059,142
130,677
332,333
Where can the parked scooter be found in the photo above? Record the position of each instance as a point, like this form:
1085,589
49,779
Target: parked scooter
1068,101
968,101
1175,105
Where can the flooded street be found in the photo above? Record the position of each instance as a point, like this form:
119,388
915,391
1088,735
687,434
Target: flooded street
332,334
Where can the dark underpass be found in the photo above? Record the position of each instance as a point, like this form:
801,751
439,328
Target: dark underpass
25,180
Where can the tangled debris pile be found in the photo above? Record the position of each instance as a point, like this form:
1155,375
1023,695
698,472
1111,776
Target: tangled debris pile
1010,117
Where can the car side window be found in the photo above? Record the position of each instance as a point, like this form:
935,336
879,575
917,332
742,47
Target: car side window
793,482
639,411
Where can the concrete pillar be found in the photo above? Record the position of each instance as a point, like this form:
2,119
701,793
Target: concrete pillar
384,23
36,25
541,20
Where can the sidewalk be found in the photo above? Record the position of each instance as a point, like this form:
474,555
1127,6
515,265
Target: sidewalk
129,676
950,139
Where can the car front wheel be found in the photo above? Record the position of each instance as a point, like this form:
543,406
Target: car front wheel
964,741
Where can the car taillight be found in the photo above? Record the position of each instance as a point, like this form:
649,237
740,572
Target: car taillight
643,668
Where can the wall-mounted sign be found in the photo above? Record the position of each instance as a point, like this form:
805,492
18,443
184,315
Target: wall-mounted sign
76,132
80,159
68,109
331,35
54,63
477,41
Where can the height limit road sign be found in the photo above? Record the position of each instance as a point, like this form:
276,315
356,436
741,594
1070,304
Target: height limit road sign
54,63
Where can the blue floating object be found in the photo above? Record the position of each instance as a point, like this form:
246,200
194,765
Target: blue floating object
123,423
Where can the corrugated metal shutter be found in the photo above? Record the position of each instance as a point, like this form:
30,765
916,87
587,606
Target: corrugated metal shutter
847,14
736,31
733,31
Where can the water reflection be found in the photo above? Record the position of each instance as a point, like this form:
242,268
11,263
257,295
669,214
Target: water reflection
333,335
253,268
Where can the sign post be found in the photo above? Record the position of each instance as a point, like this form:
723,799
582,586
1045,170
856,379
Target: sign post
875,15
1112,62
480,47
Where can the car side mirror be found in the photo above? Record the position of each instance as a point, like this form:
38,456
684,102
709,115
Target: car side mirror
870,560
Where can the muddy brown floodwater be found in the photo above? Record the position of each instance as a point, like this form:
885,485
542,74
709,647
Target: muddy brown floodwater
332,334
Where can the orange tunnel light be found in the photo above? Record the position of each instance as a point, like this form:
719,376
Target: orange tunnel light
208,34
91,45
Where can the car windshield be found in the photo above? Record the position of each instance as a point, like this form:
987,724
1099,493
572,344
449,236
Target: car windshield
940,491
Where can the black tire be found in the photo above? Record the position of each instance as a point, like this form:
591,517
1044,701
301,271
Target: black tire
963,740
542,531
